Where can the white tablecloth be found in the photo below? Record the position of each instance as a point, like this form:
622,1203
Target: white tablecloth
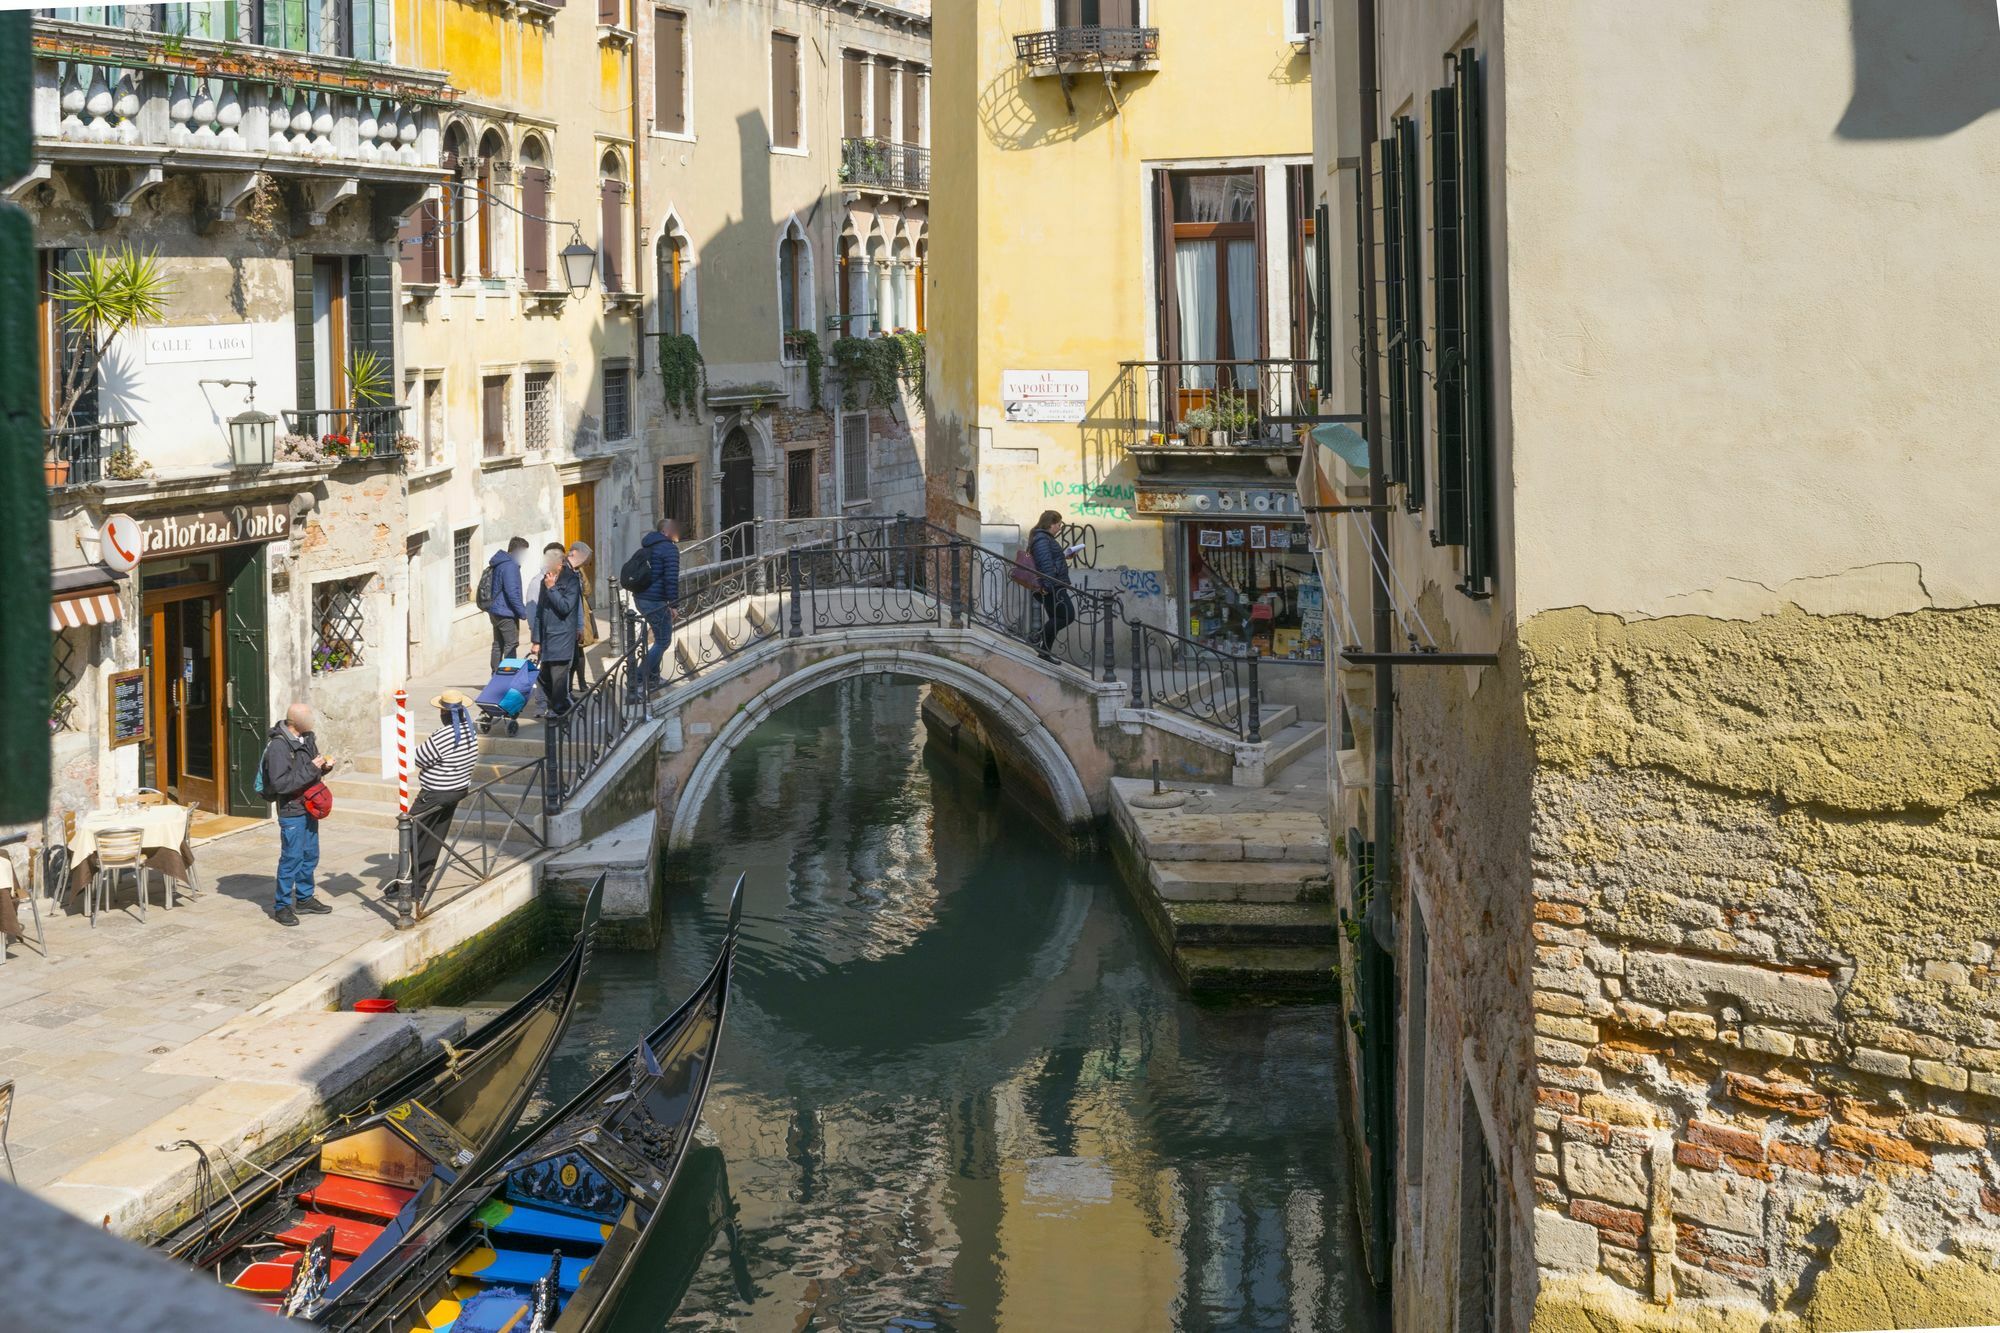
163,839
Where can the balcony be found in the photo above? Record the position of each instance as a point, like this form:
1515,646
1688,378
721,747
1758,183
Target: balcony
353,434
1070,50
125,107
76,455
885,167
1205,411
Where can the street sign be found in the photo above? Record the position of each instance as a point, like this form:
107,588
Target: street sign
120,542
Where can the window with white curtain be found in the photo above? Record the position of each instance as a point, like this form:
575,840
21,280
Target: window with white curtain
1217,310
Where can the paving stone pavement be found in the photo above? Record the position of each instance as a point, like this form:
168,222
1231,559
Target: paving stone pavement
88,1033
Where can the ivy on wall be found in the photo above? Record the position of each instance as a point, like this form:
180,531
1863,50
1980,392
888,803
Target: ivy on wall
883,364
683,375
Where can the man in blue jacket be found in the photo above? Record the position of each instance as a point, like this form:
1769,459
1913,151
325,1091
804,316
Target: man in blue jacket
507,609
656,600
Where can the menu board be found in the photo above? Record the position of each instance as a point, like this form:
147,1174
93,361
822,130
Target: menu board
129,723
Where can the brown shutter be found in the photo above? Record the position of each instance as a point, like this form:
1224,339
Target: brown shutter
1069,13
885,98
486,215
613,198
1118,13
669,71
913,104
534,229
607,12
410,245
784,90
493,414
853,77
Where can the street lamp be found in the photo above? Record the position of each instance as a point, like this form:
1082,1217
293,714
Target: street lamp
252,436
579,261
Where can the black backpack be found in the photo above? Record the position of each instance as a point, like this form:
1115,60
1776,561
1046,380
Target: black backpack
482,596
637,573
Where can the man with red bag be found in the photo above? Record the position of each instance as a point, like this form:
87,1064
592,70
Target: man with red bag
291,778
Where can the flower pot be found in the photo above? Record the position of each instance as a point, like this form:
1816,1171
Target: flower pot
56,471
1197,437
1219,439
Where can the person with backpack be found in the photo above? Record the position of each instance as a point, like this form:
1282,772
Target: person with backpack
558,606
291,776
1051,561
499,596
653,576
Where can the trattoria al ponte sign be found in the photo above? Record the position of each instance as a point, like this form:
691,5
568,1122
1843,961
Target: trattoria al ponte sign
178,534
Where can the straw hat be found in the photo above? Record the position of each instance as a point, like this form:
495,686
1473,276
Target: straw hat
451,699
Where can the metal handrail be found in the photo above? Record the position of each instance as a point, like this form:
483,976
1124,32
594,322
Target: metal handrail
85,448
486,801
1176,674
577,741
885,163
1259,400
372,432
1063,45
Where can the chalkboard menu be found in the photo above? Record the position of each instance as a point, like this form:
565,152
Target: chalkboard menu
129,723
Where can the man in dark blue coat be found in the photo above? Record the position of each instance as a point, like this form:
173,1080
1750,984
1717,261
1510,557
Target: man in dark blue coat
507,609
558,618
656,600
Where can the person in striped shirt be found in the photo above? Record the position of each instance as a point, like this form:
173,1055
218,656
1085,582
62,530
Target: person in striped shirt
445,761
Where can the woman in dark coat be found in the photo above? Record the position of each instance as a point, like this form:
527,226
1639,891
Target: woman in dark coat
1052,563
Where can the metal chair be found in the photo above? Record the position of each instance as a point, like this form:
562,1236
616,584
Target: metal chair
118,849
26,893
6,1116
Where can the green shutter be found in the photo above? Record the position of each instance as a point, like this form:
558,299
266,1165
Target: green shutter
78,348
302,332
1323,277
1480,544
1395,416
372,303
1449,528
249,709
1412,279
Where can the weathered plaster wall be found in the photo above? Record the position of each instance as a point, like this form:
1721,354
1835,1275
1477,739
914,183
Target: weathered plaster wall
1767,897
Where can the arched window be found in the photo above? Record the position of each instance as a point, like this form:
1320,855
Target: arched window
903,315
451,205
611,206
676,263
923,258
795,312
490,149
534,223
881,300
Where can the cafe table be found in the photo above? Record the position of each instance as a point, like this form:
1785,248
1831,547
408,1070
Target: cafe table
10,914
163,842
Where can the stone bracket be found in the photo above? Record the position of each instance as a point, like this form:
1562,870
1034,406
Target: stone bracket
221,193
314,199
40,173
111,191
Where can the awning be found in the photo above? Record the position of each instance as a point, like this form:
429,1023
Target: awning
82,597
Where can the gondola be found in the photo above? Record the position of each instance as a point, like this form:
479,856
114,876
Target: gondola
399,1152
546,1241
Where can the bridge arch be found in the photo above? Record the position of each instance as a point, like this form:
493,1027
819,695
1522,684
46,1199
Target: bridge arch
1019,719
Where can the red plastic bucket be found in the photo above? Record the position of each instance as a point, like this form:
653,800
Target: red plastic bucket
374,1006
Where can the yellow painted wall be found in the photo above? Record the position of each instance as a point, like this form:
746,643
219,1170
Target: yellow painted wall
1050,251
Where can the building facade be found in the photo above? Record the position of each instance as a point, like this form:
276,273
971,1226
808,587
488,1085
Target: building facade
1674,1008
263,163
783,182
1130,227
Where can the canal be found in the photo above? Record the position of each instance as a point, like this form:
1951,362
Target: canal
959,1089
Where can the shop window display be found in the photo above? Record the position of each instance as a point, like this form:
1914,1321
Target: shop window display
1255,584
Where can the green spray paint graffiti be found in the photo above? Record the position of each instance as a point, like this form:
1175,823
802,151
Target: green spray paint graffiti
1092,499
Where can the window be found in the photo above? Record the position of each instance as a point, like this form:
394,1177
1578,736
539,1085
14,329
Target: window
799,483
535,222
337,625
538,409
1416,1041
676,285
451,206
854,93
853,288
1402,319
1213,270
611,13
923,259
670,72
493,396
343,306
1463,384
1298,20
485,213
1477,1224
677,496
611,207
617,402
433,419
913,128
787,105
69,654
885,100
68,355
1097,13
853,457
417,245
461,567
795,312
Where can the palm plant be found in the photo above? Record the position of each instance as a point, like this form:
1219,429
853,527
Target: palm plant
108,293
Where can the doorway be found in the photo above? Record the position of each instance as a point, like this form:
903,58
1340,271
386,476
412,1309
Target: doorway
181,652
739,495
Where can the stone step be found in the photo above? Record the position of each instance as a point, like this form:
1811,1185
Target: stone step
1239,881
1289,973
1251,925
1263,835
1292,743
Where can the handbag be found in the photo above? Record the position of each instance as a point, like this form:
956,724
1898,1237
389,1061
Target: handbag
1025,572
318,800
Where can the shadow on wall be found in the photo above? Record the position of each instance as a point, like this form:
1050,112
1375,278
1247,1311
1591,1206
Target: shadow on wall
1018,112
1922,68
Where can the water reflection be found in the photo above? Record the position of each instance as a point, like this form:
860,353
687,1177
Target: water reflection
959,1089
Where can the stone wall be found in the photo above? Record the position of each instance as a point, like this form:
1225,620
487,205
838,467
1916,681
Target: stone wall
1766,899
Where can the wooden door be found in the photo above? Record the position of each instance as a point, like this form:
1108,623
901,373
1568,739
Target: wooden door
188,757
580,514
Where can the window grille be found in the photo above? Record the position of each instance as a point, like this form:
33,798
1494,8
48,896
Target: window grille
799,483
538,409
617,402
461,567
854,457
69,654
1478,1233
337,625
677,496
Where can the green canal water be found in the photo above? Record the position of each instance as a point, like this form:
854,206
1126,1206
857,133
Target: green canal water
959,1089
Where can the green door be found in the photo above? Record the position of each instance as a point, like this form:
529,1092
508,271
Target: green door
248,674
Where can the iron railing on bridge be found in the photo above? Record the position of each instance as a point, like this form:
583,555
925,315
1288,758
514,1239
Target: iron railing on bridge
1175,674
514,802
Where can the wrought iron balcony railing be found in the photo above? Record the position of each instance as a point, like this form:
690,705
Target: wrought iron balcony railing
76,454
354,432
1062,48
1196,408
883,164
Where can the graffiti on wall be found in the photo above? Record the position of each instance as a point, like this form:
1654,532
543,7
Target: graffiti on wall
1092,499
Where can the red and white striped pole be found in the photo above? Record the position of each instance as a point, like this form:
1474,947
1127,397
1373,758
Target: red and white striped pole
403,751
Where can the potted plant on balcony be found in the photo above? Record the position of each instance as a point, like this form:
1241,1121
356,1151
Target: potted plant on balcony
368,378
102,295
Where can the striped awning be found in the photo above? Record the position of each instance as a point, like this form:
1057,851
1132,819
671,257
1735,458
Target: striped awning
95,606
